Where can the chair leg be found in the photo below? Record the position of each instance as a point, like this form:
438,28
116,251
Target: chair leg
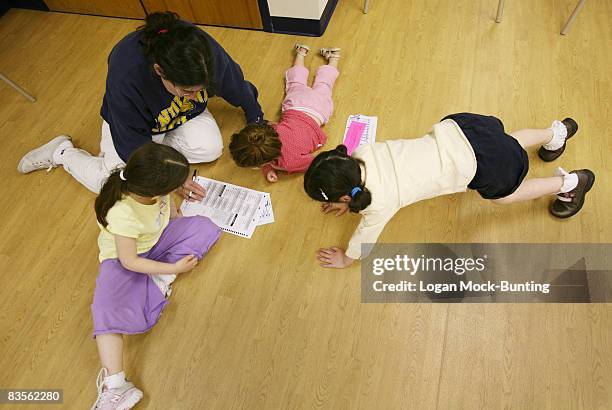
17,88
500,11
366,3
571,19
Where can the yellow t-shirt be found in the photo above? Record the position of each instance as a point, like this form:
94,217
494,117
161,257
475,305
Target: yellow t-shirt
130,218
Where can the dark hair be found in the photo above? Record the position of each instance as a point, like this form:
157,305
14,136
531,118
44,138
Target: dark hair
333,174
255,145
181,50
152,170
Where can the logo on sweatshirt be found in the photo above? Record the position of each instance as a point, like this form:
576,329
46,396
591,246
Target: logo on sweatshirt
177,113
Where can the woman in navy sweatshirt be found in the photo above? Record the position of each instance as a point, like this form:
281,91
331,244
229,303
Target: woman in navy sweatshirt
159,80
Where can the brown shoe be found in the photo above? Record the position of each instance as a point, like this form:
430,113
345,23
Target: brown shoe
569,203
547,155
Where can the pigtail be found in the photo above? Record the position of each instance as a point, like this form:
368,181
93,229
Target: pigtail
361,200
112,191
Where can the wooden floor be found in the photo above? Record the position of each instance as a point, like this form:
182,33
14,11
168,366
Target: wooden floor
258,325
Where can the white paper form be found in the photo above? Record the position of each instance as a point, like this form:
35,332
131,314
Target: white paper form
369,133
267,214
233,208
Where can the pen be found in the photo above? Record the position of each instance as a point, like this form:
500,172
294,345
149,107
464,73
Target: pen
193,178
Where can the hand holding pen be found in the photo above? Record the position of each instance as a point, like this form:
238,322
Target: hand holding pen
191,190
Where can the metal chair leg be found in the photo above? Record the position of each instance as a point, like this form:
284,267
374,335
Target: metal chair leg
366,3
500,11
17,88
571,19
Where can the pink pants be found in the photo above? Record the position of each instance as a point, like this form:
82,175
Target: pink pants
316,100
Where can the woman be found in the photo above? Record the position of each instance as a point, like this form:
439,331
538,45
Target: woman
159,80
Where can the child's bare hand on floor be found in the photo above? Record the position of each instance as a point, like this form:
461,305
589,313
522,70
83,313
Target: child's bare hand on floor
272,176
339,207
334,257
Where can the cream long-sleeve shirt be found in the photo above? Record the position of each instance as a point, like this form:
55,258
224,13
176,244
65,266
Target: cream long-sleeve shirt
401,172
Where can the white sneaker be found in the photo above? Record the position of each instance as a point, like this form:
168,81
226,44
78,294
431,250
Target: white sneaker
121,398
42,157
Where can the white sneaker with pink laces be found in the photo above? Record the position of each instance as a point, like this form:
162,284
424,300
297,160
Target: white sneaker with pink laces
121,398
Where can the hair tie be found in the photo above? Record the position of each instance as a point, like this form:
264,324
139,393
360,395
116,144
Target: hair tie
162,31
323,193
354,191
122,176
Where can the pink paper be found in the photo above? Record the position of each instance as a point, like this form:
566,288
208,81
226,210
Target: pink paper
353,136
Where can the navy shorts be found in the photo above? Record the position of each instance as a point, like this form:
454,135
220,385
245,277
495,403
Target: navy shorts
502,163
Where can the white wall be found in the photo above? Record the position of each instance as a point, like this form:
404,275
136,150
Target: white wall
322,5
302,9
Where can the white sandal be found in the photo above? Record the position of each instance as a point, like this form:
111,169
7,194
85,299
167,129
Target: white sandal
332,52
299,48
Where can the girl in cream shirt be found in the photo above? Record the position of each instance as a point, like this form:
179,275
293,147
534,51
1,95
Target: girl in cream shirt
460,152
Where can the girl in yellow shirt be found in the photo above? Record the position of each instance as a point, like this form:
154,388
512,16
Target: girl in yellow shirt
144,243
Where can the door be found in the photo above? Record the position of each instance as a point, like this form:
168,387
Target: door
229,13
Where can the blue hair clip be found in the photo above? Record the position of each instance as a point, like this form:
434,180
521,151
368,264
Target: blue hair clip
354,191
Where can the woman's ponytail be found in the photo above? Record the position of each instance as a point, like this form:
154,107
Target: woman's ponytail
181,50
156,26
111,192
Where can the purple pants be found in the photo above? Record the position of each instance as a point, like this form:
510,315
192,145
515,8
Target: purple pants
316,100
130,302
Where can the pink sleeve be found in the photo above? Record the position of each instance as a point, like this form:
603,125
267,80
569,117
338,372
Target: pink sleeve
265,169
297,163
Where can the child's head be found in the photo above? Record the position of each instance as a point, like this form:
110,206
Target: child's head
152,170
255,145
334,176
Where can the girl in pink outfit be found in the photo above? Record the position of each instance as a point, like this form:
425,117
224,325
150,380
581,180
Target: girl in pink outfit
288,145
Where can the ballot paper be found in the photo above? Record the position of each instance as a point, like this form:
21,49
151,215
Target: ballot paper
360,130
235,209
267,214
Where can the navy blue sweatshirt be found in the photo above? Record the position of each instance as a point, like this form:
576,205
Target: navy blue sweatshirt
136,104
